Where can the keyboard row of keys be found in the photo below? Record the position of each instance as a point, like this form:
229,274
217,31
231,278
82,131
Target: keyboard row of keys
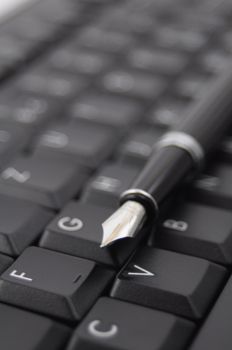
28,110
88,145
50,184
25,330
32,31
113,324
198,230
108,183
66,287
77,231
171,282
54,284
21,224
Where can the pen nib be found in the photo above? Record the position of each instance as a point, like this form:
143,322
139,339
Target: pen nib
123,223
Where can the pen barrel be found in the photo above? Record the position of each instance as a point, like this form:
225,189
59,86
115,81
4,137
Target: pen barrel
163,172
212,115
185,148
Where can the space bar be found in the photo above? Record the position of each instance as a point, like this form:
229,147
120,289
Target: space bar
216,331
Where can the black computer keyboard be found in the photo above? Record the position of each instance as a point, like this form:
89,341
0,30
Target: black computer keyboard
87,87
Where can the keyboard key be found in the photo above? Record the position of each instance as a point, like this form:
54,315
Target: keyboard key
23,330
197,230
79,61
13,139
164,62
14,50
31,28
120,21
135,84
108,184
171,282
44,181
6,67
80,143
5,262
214,187
168,113
52,283
192,86
202,21
116,325
21,223
227,40
97,2
138,147
77,231
216,61
26,109
106,41
215,332
105,109
180,39
62,86
59,12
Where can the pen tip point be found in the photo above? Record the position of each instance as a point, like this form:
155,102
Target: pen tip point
123,223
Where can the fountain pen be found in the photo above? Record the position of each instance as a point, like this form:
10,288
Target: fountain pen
178,153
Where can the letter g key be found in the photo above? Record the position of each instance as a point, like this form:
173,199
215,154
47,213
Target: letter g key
92,329
70,224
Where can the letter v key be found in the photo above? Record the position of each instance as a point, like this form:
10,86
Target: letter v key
142,273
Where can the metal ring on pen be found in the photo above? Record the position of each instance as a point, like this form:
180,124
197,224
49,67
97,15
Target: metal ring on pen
137,191
184,141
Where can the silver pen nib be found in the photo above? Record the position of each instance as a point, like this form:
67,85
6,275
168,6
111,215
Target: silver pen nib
123,223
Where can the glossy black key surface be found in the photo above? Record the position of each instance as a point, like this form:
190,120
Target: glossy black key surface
102,40
215,61
59,12
158,61
192,86
77,231
214,186
227,40
27,109
5,262
180,39
171,282
120,21
138,147
79,61
47,182
56,85
107,109
215,332
197,230
53,283
77,142
134,84
107,185
14,50
24,330
116,325
31,28
21,223
168,112
13,139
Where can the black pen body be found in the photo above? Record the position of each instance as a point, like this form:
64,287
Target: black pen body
210,118
161,175
169,164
